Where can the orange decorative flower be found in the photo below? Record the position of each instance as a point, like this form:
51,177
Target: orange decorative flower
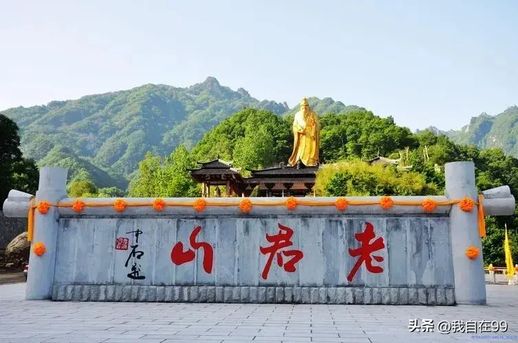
245,205
199,205
39,248
429,205
291,203
158,204
466,204
386,202
472,252
43,207
78,206
120,205
341,204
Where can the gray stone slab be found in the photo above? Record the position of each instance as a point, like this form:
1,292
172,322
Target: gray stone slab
211,294
85,293
385,296
202,294
117,293
185,293
423,241
134,296
322,295
441,296
126,293
394,296
305,295
244,294
431,298
169,294
253,295
69,292
450,296
297,295
227,294
367,296
349,295
219,294
279,295
288,295
261,294
94,293
421,294
236,294
61,293
194,293
270,294
358,295
102,293
376,295
403,296
160,293
413,298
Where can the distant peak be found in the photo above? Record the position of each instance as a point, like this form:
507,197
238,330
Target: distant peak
511,109
211,81
243,92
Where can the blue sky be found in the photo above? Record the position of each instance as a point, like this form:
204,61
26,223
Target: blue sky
423,62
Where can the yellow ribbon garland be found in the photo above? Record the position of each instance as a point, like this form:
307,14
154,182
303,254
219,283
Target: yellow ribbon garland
237,202
481,217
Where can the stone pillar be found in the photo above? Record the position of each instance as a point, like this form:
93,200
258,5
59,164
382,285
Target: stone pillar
52,188
470,287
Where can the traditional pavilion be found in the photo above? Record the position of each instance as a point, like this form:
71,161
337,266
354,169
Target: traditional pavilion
295,179
218,173
270,182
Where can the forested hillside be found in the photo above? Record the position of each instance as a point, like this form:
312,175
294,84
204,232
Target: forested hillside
106,135
485,131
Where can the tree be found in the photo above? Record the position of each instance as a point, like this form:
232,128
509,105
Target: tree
15,171
250,138
355,177
175,179
82,188
165,177
144,183
254,150
361,134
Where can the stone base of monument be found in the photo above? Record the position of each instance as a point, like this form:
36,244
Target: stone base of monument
235,294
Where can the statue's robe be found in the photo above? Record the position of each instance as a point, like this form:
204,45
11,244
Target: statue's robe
306,139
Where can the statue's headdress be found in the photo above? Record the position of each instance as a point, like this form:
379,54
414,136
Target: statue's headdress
304,102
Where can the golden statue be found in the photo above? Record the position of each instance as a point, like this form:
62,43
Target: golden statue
306,136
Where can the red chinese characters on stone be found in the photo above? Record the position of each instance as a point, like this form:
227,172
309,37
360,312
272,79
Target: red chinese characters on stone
178,256
281,241
121,243
365,250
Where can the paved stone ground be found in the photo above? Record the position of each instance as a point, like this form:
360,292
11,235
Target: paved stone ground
46,321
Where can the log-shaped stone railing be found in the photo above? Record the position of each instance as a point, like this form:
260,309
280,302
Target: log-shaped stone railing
315,250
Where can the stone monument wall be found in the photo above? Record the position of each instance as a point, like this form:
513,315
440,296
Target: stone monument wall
95,257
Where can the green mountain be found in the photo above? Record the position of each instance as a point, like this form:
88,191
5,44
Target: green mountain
107,135
324,106
485,131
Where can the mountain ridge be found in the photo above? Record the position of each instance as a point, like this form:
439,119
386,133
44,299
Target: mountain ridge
106,135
